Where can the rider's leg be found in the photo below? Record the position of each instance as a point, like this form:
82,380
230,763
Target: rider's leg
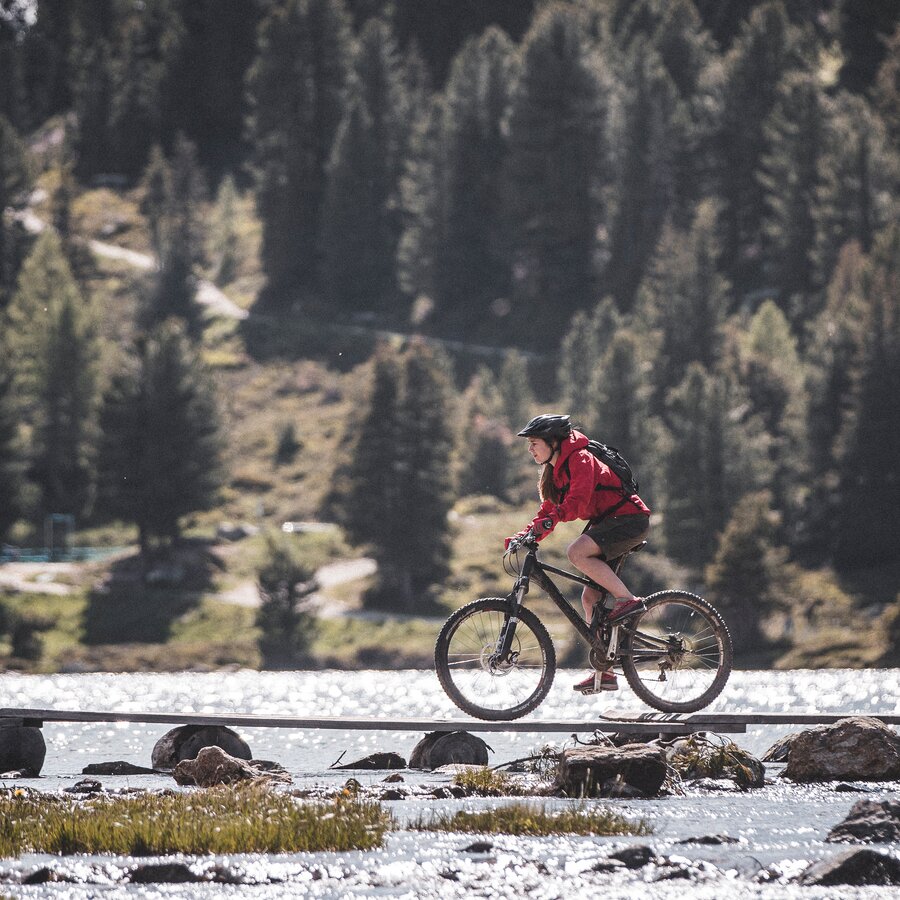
584,554
589,597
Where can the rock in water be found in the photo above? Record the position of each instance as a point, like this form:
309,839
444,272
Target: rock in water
22,749
441,748
186,741
869,822
857,748
854,867
214,766
584,770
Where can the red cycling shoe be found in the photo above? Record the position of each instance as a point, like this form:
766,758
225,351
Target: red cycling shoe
597,682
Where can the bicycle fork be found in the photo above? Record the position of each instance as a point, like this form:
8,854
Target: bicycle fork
508,632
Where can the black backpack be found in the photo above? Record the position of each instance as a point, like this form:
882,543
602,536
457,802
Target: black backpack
611,457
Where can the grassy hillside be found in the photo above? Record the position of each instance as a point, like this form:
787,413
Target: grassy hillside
280,374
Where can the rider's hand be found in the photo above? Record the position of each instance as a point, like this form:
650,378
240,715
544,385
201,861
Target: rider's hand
510,542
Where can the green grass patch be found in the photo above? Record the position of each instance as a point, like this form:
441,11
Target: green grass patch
243,819
534,821
486,782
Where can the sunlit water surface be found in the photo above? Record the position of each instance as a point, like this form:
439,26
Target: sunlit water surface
780,825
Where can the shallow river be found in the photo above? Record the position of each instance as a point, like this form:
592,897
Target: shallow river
780,825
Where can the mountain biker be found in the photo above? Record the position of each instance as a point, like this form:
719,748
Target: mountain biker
574,485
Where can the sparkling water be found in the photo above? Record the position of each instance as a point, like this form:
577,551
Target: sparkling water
781,825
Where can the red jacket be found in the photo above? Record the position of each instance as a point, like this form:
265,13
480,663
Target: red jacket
578,482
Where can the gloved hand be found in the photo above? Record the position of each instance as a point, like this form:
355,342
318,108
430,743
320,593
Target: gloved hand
517,538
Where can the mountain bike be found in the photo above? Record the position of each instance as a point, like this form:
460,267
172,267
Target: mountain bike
496,660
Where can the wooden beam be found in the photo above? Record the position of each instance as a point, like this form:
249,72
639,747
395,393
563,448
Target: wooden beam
37,717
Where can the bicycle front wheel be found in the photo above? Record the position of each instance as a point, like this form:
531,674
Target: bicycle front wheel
677,655
474,678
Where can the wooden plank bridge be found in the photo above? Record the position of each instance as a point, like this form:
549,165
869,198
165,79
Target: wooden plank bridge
611,721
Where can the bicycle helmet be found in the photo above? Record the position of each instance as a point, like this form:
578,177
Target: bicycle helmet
550,428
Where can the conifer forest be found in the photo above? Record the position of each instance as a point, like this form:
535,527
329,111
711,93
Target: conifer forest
322,259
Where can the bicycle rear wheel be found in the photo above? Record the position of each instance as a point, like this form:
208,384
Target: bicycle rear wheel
677,655
475,680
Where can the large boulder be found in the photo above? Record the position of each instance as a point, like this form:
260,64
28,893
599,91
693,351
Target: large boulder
186,741
22,750
856,867
590,771
214,766
857,748
441,748
869,821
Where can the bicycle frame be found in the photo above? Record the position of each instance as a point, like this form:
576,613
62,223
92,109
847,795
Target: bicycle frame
534,569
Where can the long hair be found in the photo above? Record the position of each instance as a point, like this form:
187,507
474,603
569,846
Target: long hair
546,487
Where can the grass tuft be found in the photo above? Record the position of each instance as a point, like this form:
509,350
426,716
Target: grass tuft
242,819
486,782
534,821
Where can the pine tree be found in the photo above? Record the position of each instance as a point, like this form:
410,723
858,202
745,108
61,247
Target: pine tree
864,28
64,436
420,543
53,350
683,302
753,68
135,115
297,86
886,93
423,200
182,242
485,444
742,579
286,628
556,172
582,348
13,182
654,125
836,338
223,237
868,525
858,173
472,265
789,176
712,458
160,449
157,186
360,218
514,390
774,378
12,462
45,285
91,138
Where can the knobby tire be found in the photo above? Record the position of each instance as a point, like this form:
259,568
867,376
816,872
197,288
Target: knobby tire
684,682
462,660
